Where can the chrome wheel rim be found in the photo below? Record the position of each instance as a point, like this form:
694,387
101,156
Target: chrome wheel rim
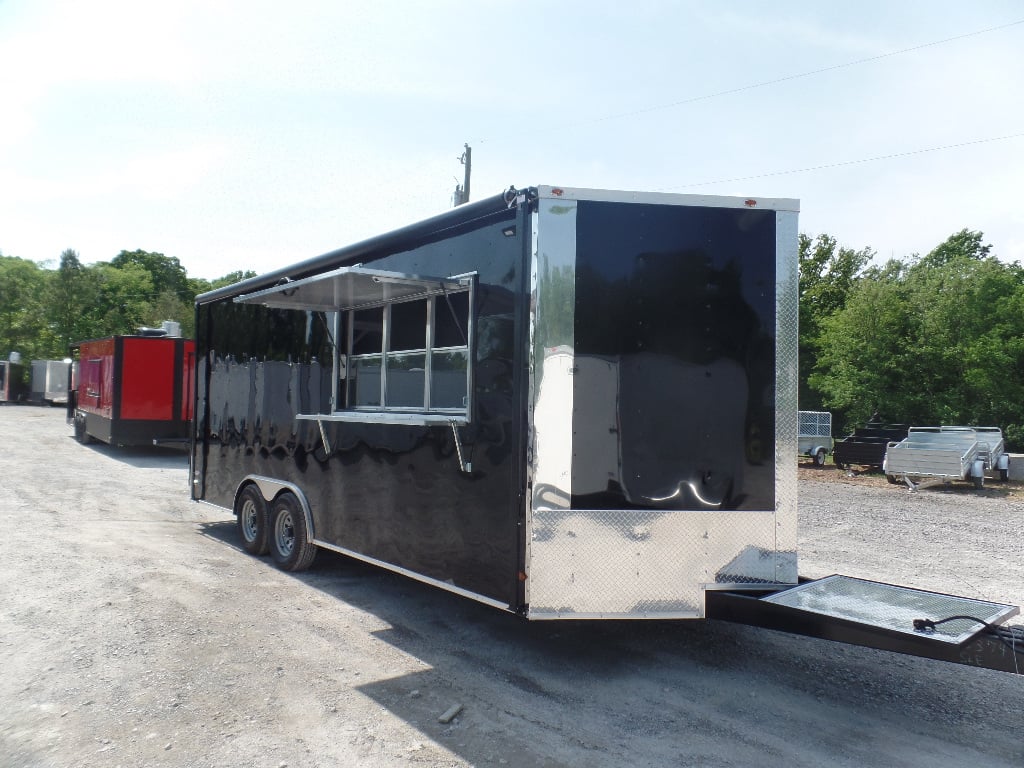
250,521
284,533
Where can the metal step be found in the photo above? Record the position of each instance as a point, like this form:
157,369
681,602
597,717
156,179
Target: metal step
866,613
893,608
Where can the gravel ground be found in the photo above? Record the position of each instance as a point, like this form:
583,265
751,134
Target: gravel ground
135,632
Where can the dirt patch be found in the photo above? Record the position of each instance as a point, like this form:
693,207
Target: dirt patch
135,632
867,477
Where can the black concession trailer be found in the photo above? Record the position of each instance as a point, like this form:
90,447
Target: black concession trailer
565,403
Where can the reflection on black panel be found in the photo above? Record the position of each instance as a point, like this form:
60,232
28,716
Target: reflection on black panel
452,320
368,331
685,316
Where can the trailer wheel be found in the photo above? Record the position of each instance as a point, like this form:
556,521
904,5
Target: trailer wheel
289,547
819,457
80,434
251,513
979,481
1004,475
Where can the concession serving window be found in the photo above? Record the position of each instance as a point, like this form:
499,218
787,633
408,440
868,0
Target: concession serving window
402,343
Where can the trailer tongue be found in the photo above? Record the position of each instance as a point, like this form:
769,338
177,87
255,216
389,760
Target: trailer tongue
883,616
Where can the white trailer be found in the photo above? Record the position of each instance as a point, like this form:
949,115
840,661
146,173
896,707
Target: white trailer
50,381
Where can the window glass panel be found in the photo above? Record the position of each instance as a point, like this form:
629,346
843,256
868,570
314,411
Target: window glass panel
408,326
448,379
364,380
342,323
406,379
368,331
399,360
447,331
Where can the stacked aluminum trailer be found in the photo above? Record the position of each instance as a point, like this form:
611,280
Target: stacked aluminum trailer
947,453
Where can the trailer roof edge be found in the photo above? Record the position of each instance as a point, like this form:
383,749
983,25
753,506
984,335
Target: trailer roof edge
463,214
673,198
469,212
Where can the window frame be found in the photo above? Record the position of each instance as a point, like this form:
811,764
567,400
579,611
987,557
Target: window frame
426,411
346,290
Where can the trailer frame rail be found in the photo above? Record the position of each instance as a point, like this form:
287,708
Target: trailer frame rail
882,616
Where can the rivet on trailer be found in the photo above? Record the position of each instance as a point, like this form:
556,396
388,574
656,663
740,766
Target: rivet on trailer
564,403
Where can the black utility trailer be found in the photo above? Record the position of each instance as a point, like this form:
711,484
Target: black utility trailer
14,387
565,403
866,446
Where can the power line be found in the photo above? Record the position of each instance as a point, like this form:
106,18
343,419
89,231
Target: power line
809,73
763,84
777,80
908,153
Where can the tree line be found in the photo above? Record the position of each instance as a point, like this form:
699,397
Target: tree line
44,310
928,340
933,339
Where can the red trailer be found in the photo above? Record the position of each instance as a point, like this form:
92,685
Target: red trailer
133,390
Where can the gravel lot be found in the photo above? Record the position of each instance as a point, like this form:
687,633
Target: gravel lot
135,632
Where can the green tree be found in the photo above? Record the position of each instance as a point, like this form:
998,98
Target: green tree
828,272
121,302
166,272
43,310
933,341
23,327
167,306
965,244
68,296
863,351
229,279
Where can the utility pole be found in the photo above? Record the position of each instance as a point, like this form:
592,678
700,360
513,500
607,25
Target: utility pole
462,190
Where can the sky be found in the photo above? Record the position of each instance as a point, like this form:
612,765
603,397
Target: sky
252,135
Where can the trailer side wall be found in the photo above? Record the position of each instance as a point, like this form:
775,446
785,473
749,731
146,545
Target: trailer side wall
394,493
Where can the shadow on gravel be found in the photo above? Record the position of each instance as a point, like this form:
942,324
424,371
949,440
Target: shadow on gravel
610,687
142,457
223,531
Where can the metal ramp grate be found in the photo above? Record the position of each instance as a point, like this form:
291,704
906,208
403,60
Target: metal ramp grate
892,608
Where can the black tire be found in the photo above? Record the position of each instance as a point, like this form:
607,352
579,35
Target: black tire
251,516
819,457
80,434
1004,475
979,482
290,547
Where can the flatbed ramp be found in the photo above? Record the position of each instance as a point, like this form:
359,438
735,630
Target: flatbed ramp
883,616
